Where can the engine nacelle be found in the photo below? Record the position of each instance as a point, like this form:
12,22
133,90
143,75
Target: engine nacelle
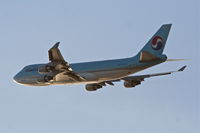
130,84
45,79
45,69
92,87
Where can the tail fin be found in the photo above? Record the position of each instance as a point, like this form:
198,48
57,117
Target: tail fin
155,46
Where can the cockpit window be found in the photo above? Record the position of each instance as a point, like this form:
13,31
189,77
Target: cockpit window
31,69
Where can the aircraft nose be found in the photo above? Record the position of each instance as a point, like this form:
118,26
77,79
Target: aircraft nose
16,78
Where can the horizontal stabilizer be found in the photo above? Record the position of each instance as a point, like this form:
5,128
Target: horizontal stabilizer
177,59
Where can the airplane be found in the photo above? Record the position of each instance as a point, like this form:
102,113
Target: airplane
98,73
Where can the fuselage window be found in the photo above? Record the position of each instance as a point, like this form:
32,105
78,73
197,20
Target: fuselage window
30,69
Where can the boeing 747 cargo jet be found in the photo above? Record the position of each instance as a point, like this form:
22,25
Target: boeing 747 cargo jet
98,73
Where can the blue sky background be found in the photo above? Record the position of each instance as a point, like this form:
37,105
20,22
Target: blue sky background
96,30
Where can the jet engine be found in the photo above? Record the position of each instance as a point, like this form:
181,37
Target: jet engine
130,84
45,78
92,87
45,69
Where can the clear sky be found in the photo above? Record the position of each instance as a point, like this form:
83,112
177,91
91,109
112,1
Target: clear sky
97,30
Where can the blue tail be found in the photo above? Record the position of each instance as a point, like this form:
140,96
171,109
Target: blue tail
155,46
157,43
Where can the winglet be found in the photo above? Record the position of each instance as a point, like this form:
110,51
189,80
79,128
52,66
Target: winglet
56,45
182,68
54,54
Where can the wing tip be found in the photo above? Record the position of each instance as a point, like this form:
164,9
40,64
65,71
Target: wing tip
182,68
56,45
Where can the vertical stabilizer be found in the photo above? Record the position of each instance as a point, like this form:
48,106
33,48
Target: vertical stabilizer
156,44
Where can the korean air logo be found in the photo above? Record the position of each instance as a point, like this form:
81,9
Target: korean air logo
157,43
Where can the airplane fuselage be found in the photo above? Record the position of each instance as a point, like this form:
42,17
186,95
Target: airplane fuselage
93,72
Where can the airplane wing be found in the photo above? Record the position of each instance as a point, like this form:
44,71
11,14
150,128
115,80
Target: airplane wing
132,81
60,66
55,55
152,75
